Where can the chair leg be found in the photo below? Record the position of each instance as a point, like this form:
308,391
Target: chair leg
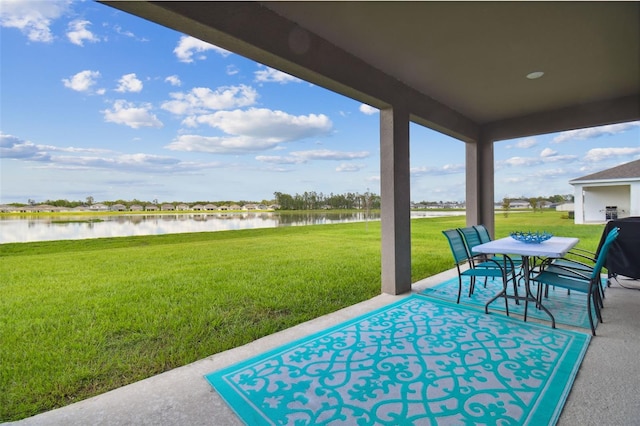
589,302
505,284
459,288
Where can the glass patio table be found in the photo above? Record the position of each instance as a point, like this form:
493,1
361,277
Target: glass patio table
553,247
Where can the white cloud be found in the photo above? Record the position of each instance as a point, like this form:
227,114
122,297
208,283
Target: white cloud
598,154
126,113
299,157
349,167
368,110
325,154
254,130
32,18
270,75
262,123
14,147
232,70
82,81
202,99
77,33
447,169
595,132
187,46
548,152
119,30
278,159
526,143
173,80
129,83
220,145
521,161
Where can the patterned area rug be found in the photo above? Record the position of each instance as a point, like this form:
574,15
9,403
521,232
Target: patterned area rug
416,361
568,309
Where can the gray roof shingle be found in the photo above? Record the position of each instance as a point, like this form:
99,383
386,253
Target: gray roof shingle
624,171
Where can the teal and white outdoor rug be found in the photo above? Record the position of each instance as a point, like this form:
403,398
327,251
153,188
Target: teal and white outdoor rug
417,361
568,309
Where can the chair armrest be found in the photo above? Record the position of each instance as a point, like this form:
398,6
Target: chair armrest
590,258
578,264
573,273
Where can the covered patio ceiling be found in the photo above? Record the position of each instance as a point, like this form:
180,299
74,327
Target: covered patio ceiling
462,65
456,67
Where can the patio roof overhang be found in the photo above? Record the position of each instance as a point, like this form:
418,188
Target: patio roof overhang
456,67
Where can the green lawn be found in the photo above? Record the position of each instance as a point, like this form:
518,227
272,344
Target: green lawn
78,318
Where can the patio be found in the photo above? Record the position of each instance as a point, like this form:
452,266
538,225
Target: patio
605,391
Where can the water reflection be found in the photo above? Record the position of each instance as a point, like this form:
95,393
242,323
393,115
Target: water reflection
47,228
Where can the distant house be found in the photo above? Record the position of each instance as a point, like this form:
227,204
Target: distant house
182,207
566,207
519,204
609,194
167,207
136,208
118,208
99,207
211,207
46,208
198,207
151,208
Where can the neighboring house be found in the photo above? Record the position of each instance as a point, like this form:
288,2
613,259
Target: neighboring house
566,207
211,207
198,207
254,207
168,207
609,194
136,208
118,208
519,204
99,207
182,207
151,208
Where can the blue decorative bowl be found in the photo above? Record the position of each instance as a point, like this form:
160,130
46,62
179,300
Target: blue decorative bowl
531,237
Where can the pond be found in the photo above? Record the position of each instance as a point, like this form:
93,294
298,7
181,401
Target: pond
20,229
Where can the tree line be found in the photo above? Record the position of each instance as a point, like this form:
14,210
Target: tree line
317,201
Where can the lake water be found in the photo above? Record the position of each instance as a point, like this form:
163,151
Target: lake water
15,229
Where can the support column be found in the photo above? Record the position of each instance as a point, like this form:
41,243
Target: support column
480,190
395,210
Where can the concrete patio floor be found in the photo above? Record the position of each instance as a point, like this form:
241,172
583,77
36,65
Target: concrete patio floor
606,390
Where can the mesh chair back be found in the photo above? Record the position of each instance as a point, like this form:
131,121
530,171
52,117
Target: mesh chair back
456,243
470,236
602,256
483,233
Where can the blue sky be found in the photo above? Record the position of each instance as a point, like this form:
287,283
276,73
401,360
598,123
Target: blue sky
96,102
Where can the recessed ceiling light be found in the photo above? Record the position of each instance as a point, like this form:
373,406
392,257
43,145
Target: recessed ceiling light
534,75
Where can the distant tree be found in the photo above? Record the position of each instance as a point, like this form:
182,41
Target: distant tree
506,206
89,200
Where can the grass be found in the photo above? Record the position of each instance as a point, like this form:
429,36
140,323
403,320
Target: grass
79,318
